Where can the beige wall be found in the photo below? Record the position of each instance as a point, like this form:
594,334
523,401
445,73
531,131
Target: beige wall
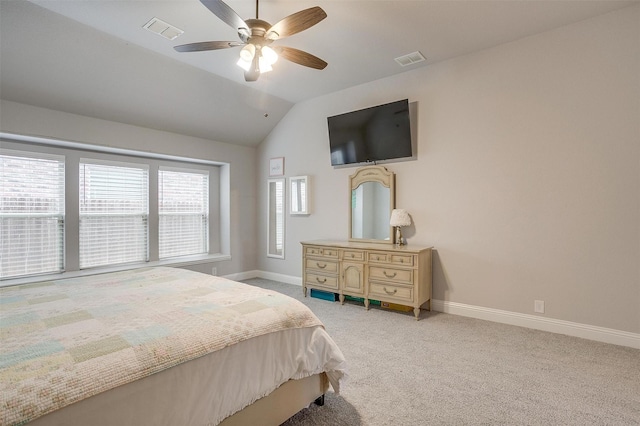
527,181
28,120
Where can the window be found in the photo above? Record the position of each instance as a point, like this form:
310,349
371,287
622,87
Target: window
114,213
183,210
31,213
73,208
275,218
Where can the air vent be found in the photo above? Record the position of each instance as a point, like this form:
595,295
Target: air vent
160,27
411,58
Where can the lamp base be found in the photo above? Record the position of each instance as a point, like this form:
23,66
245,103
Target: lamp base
399,239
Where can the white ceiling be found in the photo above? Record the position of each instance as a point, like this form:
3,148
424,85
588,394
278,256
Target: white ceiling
94,58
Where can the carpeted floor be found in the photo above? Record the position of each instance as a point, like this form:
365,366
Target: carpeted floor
452,370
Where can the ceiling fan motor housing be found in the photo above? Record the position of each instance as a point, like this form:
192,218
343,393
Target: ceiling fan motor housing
259,36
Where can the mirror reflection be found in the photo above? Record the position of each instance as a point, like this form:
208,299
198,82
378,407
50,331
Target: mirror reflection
298,190
372,198
370,211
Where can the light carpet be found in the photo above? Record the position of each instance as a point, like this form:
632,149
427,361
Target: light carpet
452,370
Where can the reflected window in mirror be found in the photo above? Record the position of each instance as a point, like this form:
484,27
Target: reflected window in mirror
299,195
372,198
370,212
275,218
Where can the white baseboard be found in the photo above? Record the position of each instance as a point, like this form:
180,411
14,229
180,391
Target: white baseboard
289,279
280,277
246,275
600,334
591,332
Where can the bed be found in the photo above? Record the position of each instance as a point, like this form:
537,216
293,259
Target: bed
159,346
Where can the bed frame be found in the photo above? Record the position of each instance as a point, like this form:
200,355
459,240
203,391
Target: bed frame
103,409
282,403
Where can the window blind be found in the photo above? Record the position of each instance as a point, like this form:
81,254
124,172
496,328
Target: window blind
114,213
183,209
275,233
280,215
31,213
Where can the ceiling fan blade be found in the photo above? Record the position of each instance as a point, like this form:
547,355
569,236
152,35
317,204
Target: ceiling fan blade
296,22
300,57
226,14
253,73
207,45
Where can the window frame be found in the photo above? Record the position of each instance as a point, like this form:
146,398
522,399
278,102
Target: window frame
276,212
219,206
58,216
143,215
207,227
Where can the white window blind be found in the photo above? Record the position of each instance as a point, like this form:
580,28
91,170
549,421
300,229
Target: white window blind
280,215
31,213
183,209
114,212
275,218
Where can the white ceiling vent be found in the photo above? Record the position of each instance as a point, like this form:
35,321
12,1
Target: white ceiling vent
160,27
410,59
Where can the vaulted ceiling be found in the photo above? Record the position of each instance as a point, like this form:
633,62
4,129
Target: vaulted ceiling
94,58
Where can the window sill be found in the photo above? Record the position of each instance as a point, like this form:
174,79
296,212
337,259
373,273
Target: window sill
175,262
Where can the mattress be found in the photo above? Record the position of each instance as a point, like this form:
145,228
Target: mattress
69,340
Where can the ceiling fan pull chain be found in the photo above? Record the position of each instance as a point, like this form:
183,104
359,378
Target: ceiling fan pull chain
257,9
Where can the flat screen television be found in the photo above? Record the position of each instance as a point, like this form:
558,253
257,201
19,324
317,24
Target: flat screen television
373,134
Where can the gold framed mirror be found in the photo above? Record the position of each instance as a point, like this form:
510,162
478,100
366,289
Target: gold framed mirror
371,199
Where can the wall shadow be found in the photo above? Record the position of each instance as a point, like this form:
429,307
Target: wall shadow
440,287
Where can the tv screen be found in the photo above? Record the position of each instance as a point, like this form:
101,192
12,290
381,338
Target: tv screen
373,134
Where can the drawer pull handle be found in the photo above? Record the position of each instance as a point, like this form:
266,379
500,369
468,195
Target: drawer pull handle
353,255
401,260
389,276
395,290
321,266
377,257
324,280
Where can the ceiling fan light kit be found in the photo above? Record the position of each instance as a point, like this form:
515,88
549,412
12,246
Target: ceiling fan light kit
266,57
256,56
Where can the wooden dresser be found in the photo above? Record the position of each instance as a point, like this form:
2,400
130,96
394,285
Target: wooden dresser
384,272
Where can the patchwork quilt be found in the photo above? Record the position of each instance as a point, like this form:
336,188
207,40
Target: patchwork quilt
65,340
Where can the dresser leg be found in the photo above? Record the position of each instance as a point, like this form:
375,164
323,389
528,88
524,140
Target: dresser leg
304,290
366,304
341,297
416,312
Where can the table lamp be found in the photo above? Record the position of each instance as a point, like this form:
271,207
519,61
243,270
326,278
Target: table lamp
399,218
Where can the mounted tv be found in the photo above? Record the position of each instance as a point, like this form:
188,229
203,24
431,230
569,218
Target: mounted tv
379,133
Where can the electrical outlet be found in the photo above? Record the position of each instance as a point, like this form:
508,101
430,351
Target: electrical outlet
214,271
538,306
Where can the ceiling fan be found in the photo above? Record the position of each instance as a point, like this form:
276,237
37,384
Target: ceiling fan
256,36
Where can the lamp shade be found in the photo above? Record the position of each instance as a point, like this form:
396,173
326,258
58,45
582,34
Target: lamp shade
400,217
247,53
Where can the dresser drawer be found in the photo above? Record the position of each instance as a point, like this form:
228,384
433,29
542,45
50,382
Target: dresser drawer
391,274
352,255
322,265
386,291
378,257
402,259
321,280
321,252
